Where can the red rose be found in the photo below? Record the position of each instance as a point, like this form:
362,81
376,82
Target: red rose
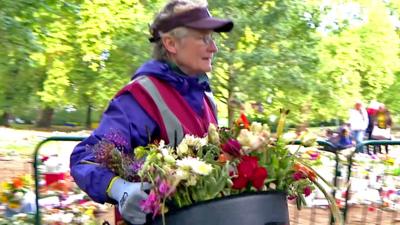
259,176
249,171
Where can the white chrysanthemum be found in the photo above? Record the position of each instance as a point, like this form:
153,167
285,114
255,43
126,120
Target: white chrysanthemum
194,141
184,163
202,168
166,152
162,144
182,174
182,149
195,165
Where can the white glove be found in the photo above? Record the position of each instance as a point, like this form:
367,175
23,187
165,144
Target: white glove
129,195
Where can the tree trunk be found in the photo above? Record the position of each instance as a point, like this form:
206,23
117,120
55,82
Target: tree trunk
231,112
5,119
232,102
46,116
89,117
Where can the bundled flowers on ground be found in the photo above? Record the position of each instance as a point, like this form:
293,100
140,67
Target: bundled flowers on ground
13,191
61,202
245,158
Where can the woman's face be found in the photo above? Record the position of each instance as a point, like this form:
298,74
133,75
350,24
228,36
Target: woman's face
194,52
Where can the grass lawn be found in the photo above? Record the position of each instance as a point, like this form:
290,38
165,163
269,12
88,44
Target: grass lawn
22,140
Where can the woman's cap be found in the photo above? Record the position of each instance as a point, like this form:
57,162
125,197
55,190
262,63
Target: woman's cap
197,18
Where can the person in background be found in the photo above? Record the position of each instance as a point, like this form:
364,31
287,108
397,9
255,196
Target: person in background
331,136
358,120
382,121
345,139
168,97
341,139
383,118
371,111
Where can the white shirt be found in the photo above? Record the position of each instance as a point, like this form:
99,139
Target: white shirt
358,119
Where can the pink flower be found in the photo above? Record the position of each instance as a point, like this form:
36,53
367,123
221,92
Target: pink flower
151,204
307,191
164,189
232,147
298,176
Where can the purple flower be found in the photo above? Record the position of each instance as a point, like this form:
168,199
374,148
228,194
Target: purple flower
137,165
291,197
102,151
232,147
115,137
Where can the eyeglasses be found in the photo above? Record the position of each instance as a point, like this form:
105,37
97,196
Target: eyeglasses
206,38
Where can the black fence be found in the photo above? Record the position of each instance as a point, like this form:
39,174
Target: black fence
311,215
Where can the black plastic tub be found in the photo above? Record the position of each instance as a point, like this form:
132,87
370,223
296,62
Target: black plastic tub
259,208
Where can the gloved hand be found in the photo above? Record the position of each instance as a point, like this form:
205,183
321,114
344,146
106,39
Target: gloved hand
129,196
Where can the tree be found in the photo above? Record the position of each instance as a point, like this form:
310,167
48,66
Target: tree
17,71
112,39
269,57
359,61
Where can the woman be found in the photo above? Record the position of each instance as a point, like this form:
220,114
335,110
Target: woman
382,127
358,120
167,98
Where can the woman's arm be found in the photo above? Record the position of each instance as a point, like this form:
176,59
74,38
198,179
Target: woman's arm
124,116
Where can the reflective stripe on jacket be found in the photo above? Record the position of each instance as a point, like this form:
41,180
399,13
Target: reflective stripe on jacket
169,109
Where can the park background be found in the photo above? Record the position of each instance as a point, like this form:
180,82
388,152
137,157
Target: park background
62,61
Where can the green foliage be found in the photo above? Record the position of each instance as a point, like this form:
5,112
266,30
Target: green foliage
80,52
269,57
357,63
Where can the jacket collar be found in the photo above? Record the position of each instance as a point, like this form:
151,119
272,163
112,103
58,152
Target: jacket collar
171,74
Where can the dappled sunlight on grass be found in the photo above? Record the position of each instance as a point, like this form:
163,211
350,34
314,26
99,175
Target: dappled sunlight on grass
23,142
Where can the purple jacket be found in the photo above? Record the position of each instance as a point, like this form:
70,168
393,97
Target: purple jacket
126,116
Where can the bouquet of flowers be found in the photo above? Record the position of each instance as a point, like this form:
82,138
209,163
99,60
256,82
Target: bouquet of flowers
12,192
245,158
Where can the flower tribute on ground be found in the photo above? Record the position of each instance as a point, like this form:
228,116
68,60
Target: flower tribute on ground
13,191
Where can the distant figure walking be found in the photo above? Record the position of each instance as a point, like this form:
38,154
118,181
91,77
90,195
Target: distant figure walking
358,121
382,126
371,111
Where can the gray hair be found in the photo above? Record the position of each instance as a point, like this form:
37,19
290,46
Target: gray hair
173,7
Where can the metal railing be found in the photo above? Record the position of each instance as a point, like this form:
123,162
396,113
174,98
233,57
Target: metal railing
36,169
327,147
360,148
331,148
